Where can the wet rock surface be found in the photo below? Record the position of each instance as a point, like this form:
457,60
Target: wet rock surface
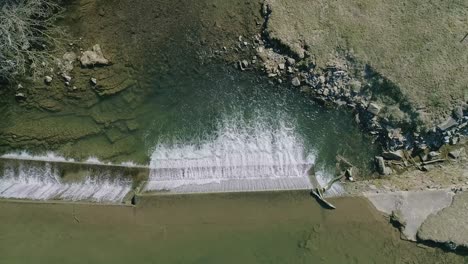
448,227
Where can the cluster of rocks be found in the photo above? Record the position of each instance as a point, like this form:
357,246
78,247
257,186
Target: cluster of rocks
65,66
334,85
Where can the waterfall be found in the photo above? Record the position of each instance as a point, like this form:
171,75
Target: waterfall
21,179
237,158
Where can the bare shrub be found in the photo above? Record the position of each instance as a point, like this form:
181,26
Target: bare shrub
28,37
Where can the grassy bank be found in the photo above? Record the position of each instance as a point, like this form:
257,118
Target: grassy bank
416,46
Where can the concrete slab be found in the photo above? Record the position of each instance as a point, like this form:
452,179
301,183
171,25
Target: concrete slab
450,225
413,207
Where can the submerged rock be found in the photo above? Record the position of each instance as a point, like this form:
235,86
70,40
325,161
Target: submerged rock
93,57
47,79
20,96
65,64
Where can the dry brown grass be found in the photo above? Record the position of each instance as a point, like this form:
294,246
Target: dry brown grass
416,45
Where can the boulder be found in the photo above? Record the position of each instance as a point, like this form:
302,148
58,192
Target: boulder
457,153
381,167
296,82
67,78
434,154
393,155
373,108
93,57
243,64
47,79
321,79
20,96
458,112
447,124
291,61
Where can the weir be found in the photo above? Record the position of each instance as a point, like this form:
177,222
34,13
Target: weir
238,158
65,180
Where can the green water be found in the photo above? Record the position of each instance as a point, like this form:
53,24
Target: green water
280,227
187,106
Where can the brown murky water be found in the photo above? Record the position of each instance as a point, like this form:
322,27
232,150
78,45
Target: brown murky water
281,227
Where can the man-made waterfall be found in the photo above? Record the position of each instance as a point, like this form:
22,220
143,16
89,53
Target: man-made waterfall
21,179
237,158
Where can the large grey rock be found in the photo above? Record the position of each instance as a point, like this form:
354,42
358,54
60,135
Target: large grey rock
93,57
393,155
458,112
373,108
447,124
450,225
296,82
381,167
412,207
457,153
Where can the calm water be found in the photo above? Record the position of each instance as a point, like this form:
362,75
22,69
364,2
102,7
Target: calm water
224,228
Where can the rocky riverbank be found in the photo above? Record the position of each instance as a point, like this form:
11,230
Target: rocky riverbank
408,141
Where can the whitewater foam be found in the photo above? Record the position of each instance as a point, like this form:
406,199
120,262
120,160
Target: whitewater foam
23,180
238,158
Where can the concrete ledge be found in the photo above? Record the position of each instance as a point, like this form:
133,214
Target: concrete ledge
412,207
449,226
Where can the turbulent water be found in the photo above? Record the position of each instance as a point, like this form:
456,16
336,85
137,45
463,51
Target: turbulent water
218,130
255,155
239,157
43,181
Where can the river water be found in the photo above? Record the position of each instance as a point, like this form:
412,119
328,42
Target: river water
214,130
186,126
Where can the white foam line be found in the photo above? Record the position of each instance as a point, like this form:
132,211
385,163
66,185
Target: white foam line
52,157
239,158
42,182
